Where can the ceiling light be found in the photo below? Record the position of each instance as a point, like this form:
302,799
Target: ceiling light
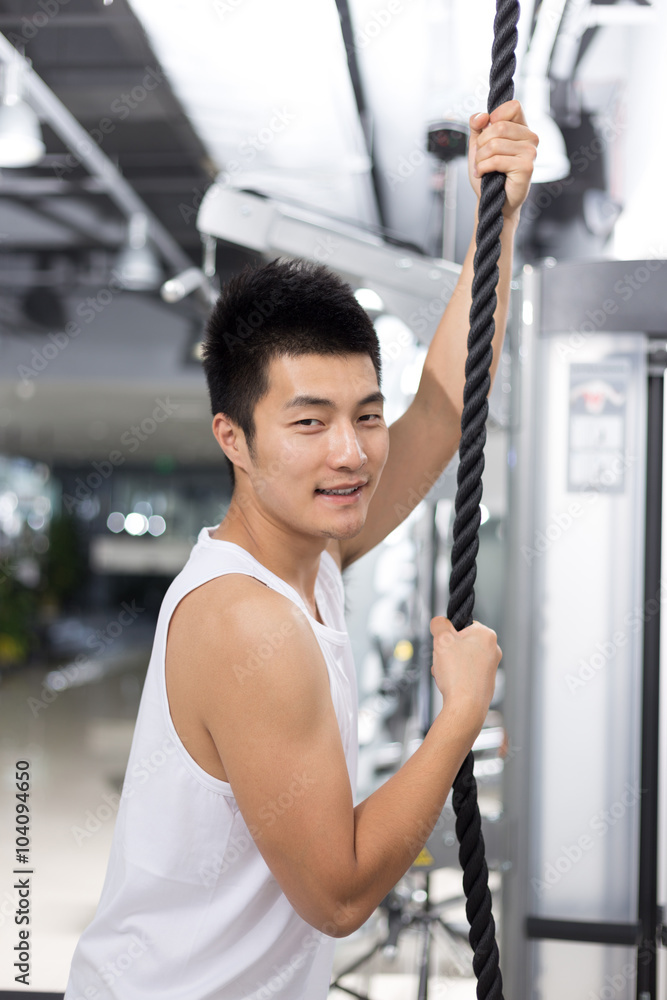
20,133
175,289
534,93
552,162
136,262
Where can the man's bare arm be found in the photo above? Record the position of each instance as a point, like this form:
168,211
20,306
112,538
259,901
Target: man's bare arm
263,693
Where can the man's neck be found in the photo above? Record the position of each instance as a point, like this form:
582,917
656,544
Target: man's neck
278,556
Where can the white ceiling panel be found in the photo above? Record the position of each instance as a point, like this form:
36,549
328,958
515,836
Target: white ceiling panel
267,88
266,85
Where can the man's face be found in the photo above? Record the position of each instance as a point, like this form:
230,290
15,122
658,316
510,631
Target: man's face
302,447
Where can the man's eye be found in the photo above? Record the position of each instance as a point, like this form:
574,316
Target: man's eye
366,416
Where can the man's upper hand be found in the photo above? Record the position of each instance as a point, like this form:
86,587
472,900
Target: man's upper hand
261,688
503,141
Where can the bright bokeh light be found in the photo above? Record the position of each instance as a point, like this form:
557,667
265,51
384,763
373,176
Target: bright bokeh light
116,521
8,503
136,524
156,524
368,299
403,650
41,505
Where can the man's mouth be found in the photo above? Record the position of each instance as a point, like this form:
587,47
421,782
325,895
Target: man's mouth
352,491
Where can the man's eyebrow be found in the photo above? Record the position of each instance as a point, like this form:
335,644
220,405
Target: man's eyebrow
305,400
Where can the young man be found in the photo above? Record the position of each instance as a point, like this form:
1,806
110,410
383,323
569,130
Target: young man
238,854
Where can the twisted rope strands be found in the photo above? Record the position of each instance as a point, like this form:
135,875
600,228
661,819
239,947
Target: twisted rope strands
486,963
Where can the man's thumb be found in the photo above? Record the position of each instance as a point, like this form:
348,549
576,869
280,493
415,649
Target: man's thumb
443,623
478,121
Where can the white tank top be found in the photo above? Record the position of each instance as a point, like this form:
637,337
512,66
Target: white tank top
189,909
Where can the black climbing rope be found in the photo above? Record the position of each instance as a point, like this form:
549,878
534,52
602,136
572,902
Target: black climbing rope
482,934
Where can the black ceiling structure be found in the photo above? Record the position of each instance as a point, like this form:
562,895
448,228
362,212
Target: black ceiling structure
96,59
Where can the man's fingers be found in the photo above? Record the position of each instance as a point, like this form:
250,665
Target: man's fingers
505,132
477,126
509,111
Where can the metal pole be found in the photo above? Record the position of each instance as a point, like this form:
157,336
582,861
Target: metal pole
648,819
449,211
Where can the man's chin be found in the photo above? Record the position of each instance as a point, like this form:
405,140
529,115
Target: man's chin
343,536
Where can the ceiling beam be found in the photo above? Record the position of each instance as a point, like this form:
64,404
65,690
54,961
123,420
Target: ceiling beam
99,165
61,20
26,188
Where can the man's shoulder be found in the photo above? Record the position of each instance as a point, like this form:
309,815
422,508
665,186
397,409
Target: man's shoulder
226,622
229,592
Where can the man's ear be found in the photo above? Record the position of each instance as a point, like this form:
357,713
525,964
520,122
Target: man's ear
231,439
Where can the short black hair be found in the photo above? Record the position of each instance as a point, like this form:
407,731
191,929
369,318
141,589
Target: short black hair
291,307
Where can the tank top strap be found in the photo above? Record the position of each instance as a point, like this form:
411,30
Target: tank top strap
211,557
205,563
